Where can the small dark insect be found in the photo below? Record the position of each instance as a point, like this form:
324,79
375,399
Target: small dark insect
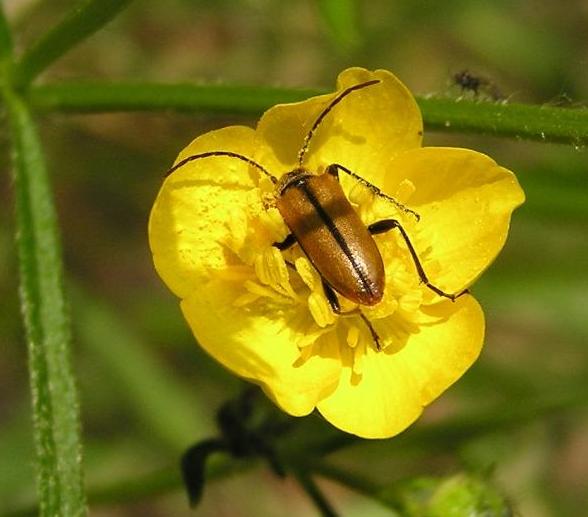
468,81
328,229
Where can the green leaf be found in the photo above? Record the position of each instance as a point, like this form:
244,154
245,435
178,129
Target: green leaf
55,401
83,20
541,123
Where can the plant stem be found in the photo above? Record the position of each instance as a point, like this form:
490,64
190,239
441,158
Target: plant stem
94,97
83,20
315,493
541,123
55,402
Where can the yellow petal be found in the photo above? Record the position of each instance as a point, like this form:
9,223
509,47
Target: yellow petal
465,201
202,213
191,216
362,132
394,387
259,344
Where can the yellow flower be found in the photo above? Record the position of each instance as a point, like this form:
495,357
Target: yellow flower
263,313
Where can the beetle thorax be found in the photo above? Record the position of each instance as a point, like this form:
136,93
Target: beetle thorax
293,178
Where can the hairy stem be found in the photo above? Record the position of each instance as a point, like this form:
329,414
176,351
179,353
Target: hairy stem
55,402
541,123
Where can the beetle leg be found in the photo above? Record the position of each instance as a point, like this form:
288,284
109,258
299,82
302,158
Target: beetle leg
391,224
336,308
370,327
334,169
331,298
383,226
288,242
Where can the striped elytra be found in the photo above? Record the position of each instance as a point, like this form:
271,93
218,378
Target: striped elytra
331,234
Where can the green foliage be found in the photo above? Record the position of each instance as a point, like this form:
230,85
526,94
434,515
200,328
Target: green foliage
55,404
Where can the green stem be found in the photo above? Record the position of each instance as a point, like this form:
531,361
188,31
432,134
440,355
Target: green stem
55,403
95,97
541,123
315,493
83,20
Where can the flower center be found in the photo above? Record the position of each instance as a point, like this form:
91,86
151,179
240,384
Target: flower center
287,285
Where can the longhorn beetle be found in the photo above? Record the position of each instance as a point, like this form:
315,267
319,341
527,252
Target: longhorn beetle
327,228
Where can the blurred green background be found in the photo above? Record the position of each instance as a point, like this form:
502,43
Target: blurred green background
148,392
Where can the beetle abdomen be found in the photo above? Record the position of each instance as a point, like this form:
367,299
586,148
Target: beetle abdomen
332,236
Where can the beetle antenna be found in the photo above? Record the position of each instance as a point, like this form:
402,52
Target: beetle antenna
230,154
332,169
324,113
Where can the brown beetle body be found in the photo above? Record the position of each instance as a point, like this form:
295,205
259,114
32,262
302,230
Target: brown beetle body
331,234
